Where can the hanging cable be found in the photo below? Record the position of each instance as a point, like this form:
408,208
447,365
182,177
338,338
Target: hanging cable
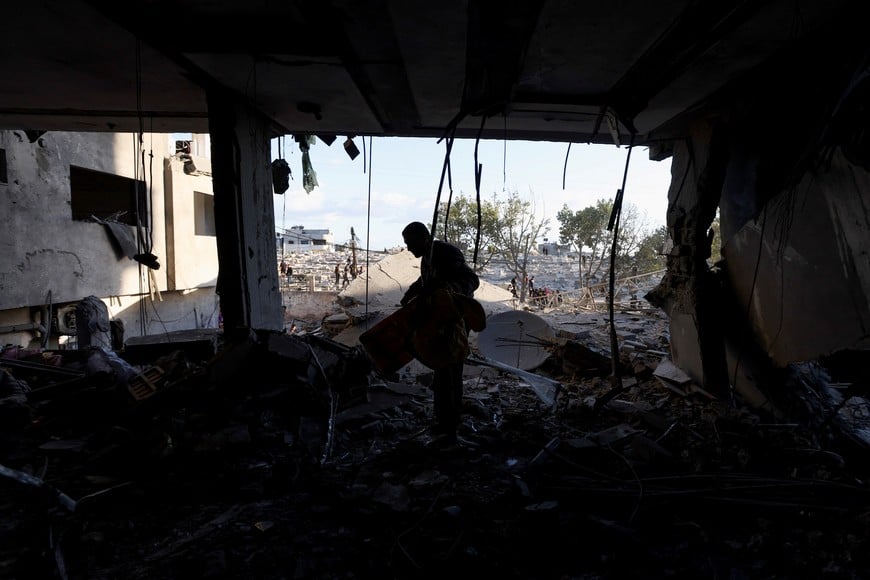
368,225
504,159
448,149
149,205
614,248
143,190
565,168
282,143
137,147
449,198
46,322
478,172
613,225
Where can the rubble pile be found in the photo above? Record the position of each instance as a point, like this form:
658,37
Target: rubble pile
285,457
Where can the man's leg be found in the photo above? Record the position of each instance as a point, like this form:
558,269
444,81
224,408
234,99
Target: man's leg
456,393
447,387
439,391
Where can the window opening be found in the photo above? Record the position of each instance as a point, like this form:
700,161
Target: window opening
203,211
106,196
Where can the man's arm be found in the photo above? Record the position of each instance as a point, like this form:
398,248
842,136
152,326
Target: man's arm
412,292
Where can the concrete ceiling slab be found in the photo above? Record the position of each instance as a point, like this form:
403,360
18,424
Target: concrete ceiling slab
545,70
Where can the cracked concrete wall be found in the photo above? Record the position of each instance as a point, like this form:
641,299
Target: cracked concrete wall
795,206
801,269
790,173
43,249
796,276
688,293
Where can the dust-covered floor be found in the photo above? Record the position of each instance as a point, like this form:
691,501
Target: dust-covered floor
659,481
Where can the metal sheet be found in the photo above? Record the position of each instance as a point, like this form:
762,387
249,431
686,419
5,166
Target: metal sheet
517,338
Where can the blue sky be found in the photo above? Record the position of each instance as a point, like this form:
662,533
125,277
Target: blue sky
404,176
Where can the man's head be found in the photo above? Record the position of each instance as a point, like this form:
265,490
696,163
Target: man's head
416,236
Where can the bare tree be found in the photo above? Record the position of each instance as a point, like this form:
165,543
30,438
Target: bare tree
516,235
509,231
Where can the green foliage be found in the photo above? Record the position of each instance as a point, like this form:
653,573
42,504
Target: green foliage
586,232
461,228
649,257
517,234
509,230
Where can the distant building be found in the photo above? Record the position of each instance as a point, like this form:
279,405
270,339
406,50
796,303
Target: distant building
552,249
298,239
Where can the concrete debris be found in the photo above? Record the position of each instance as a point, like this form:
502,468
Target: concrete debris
291,440
670,372
545,388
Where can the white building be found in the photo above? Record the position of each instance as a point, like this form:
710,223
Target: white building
77,208
298,239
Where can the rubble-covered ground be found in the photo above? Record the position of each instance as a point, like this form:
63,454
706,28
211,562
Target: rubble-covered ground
212,473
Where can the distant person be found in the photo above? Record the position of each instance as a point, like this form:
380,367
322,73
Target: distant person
513,286
345,279
337,276
547,294
440,337
531,285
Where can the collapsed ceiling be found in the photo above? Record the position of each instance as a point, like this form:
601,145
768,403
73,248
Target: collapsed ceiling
541,70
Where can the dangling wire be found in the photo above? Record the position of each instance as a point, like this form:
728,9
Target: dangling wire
46,322
282,143
137,149
449,199
449,148
504,158
368,224
478,172
613,225
565,168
